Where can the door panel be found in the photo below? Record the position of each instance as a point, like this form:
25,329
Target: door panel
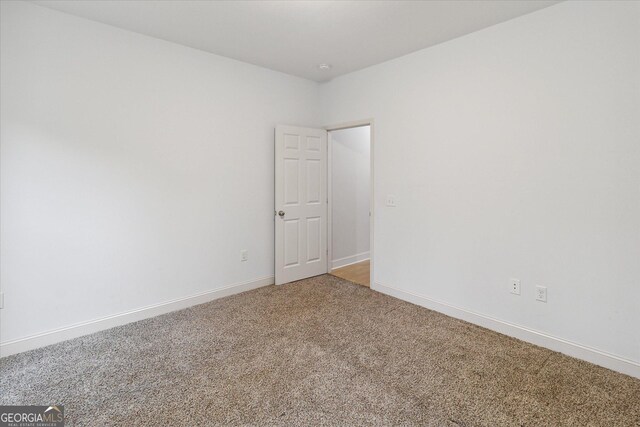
314,239
301,195
291,182
314,184
291,239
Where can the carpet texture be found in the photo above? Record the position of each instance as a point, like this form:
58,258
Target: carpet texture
321,351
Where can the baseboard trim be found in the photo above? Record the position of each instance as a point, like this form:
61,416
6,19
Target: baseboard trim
84,328
353,259
592,355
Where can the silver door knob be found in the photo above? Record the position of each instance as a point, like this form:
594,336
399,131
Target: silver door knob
281,213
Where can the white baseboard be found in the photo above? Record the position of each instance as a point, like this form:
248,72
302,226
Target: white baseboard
73,331
353,259
598,357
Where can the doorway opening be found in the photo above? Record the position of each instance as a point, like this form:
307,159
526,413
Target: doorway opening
350,233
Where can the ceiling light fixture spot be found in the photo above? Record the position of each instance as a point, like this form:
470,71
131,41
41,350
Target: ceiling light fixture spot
324,67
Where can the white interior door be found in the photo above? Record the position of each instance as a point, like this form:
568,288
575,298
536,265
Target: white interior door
300,203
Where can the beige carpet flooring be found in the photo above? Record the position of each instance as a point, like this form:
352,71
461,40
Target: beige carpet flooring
321,351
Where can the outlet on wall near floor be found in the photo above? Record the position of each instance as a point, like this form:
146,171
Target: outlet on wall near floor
244,255
541,293
391,201
515,286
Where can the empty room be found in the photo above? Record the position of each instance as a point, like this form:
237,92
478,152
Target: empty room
319,213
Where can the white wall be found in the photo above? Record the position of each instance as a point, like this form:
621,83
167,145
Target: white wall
133,170
513,152
350,195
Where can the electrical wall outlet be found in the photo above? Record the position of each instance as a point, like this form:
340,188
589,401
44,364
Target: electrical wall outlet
244,255
391,201
514,286
541,293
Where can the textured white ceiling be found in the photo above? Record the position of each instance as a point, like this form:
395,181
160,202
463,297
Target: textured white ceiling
295,36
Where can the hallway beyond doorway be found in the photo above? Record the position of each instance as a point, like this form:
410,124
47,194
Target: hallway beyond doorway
356,273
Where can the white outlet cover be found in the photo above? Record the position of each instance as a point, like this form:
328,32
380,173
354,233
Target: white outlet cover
541,293
391,201
244,255
514,286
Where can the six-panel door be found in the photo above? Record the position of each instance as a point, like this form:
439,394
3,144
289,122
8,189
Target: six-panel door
300,203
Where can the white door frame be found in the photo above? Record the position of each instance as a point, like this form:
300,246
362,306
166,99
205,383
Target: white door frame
348,125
